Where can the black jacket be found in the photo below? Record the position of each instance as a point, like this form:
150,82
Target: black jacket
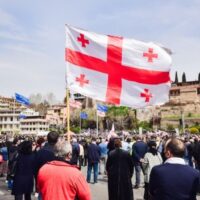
120,170
44,155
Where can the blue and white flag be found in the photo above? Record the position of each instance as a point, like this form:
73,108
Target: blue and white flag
22,99
101,110
83,115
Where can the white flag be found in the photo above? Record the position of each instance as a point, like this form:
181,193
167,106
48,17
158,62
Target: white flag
117,70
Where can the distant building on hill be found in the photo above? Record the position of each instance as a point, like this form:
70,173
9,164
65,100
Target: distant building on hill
57,116
17,119
184,103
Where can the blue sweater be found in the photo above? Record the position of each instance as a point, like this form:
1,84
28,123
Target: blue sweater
174,182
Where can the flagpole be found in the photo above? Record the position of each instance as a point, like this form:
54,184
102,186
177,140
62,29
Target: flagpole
97,125
13,114
80,123
68,115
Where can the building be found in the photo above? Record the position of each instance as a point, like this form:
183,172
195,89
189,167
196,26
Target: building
9,121
9,115
183,105
10,104
57,116
33,125
16,118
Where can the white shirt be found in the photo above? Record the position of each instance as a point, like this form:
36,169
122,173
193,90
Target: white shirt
176,160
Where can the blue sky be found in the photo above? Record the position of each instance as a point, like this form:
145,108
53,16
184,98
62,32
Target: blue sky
32,36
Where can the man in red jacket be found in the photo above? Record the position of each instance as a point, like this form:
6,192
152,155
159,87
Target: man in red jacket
60,180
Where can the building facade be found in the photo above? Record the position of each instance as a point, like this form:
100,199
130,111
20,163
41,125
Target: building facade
183,105
57,116
33,125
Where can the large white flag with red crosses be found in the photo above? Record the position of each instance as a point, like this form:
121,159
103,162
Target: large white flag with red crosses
117,70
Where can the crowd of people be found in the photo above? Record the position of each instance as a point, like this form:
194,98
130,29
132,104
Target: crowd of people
51,167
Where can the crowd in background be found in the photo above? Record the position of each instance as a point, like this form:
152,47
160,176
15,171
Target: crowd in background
23,158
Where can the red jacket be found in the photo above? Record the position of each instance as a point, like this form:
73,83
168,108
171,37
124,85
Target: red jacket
58,180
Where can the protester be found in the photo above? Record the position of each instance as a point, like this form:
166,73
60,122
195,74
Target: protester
120,170
24,172
75,151
174,179
46,153
60,180
151,159
103,157
138,151
13,151
81,155
85,147
4,164
93,160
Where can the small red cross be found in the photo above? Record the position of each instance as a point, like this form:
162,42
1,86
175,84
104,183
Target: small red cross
150,55
82,80
146,94
82,39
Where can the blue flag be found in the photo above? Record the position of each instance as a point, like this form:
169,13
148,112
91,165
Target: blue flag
22,116
83,115
22,99
102,108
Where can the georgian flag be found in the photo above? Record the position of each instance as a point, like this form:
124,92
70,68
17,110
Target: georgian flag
117,70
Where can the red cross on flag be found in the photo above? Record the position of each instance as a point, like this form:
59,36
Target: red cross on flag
117,70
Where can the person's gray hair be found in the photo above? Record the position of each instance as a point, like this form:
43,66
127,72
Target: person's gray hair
63,149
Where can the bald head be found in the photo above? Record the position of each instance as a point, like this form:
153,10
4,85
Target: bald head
176,147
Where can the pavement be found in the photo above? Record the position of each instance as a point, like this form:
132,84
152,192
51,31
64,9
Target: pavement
99,190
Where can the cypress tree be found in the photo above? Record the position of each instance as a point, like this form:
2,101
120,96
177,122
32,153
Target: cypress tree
184,78
176,78
199,77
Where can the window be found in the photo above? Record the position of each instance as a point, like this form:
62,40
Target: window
175,92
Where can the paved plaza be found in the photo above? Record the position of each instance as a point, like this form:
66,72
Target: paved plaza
99,190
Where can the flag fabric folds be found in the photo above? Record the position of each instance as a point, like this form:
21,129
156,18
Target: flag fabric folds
101,110
22,99
83,115
116,70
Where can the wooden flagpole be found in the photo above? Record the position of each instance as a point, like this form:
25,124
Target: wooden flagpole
68,115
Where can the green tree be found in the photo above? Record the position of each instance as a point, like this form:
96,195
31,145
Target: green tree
145,125
199,77
184,78
194,130
176,78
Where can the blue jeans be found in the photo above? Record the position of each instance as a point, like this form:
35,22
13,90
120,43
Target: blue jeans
137,173
89,171
10,184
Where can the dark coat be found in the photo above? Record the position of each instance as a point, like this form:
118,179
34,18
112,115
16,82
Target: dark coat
119,167
139,149
44,155
173,182
24,175
93,153
75,153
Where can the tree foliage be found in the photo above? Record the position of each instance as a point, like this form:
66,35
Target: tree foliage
184,78
176,78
